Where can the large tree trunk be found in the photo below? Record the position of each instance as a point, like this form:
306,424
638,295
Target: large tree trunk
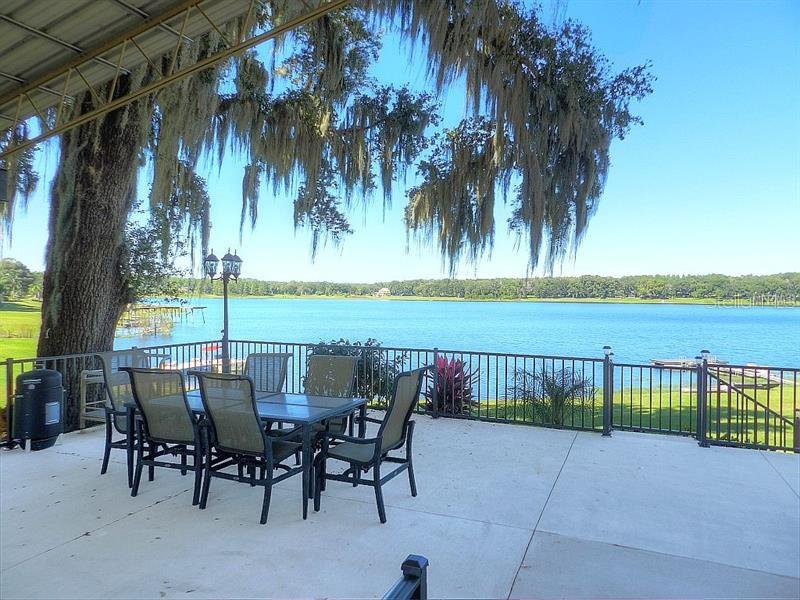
84,289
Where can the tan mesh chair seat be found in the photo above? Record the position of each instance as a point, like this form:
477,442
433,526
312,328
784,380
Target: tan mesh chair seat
168,428
229,405
161,398
337,424
406,392
283,450
238,437
351,452
118,393
331,376
267,370
118,383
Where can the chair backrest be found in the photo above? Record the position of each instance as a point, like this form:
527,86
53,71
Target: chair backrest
160,396
118,382
405,395
267,370
230,406
330,375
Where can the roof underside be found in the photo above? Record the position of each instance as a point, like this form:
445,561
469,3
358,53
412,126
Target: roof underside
39,37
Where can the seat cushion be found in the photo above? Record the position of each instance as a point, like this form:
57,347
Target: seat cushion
352,452
335,425
283,450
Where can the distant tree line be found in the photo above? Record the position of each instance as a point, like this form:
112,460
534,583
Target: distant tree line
646,287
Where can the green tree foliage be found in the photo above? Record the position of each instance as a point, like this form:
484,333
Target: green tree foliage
15,280
544,106
21,179
148,271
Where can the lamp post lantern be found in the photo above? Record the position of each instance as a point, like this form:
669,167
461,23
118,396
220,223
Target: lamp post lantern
231,268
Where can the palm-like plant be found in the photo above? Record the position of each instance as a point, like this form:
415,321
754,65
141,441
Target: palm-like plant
552,394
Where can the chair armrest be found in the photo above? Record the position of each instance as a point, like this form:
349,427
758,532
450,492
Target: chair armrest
367,420
348,438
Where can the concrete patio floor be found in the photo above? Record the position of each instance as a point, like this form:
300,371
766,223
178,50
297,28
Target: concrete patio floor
503,511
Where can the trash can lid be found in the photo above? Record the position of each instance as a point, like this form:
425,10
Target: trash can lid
44,377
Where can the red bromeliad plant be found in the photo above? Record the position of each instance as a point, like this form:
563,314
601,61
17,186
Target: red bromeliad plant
449,389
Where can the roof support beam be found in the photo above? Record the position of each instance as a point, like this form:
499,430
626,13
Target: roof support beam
19,80
135,10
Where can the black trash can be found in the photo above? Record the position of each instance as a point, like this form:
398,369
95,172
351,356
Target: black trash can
37,411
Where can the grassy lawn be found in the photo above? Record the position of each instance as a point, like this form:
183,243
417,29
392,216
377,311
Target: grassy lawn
19,332
656,409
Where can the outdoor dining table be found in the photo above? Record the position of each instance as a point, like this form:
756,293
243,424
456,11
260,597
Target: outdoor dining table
300,410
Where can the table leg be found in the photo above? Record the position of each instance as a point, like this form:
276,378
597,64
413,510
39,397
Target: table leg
306,467
82,421
362,421
130,424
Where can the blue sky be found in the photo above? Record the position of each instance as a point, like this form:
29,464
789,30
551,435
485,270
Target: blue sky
710,183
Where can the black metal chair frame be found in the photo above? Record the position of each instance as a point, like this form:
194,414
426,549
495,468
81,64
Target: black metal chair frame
128,443
111,424
220,457
110,443
352,475
167,447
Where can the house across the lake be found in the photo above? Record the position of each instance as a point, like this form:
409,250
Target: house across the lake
383,292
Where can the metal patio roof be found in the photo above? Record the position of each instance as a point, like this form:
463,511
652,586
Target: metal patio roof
53,50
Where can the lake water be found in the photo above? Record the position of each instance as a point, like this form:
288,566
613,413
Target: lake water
637,332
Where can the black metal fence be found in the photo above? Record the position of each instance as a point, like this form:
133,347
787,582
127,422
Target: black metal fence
737,405
752,406
463,384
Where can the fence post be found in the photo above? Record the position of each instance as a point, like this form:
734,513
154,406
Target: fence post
9,396
797,430
702,398
435,393
363,384
608,390
413,585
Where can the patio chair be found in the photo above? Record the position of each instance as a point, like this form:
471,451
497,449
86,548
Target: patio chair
167,425
330,375
117,385
267,370
236,437
363,454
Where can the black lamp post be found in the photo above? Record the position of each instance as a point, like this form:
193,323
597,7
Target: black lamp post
231,267
3,184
